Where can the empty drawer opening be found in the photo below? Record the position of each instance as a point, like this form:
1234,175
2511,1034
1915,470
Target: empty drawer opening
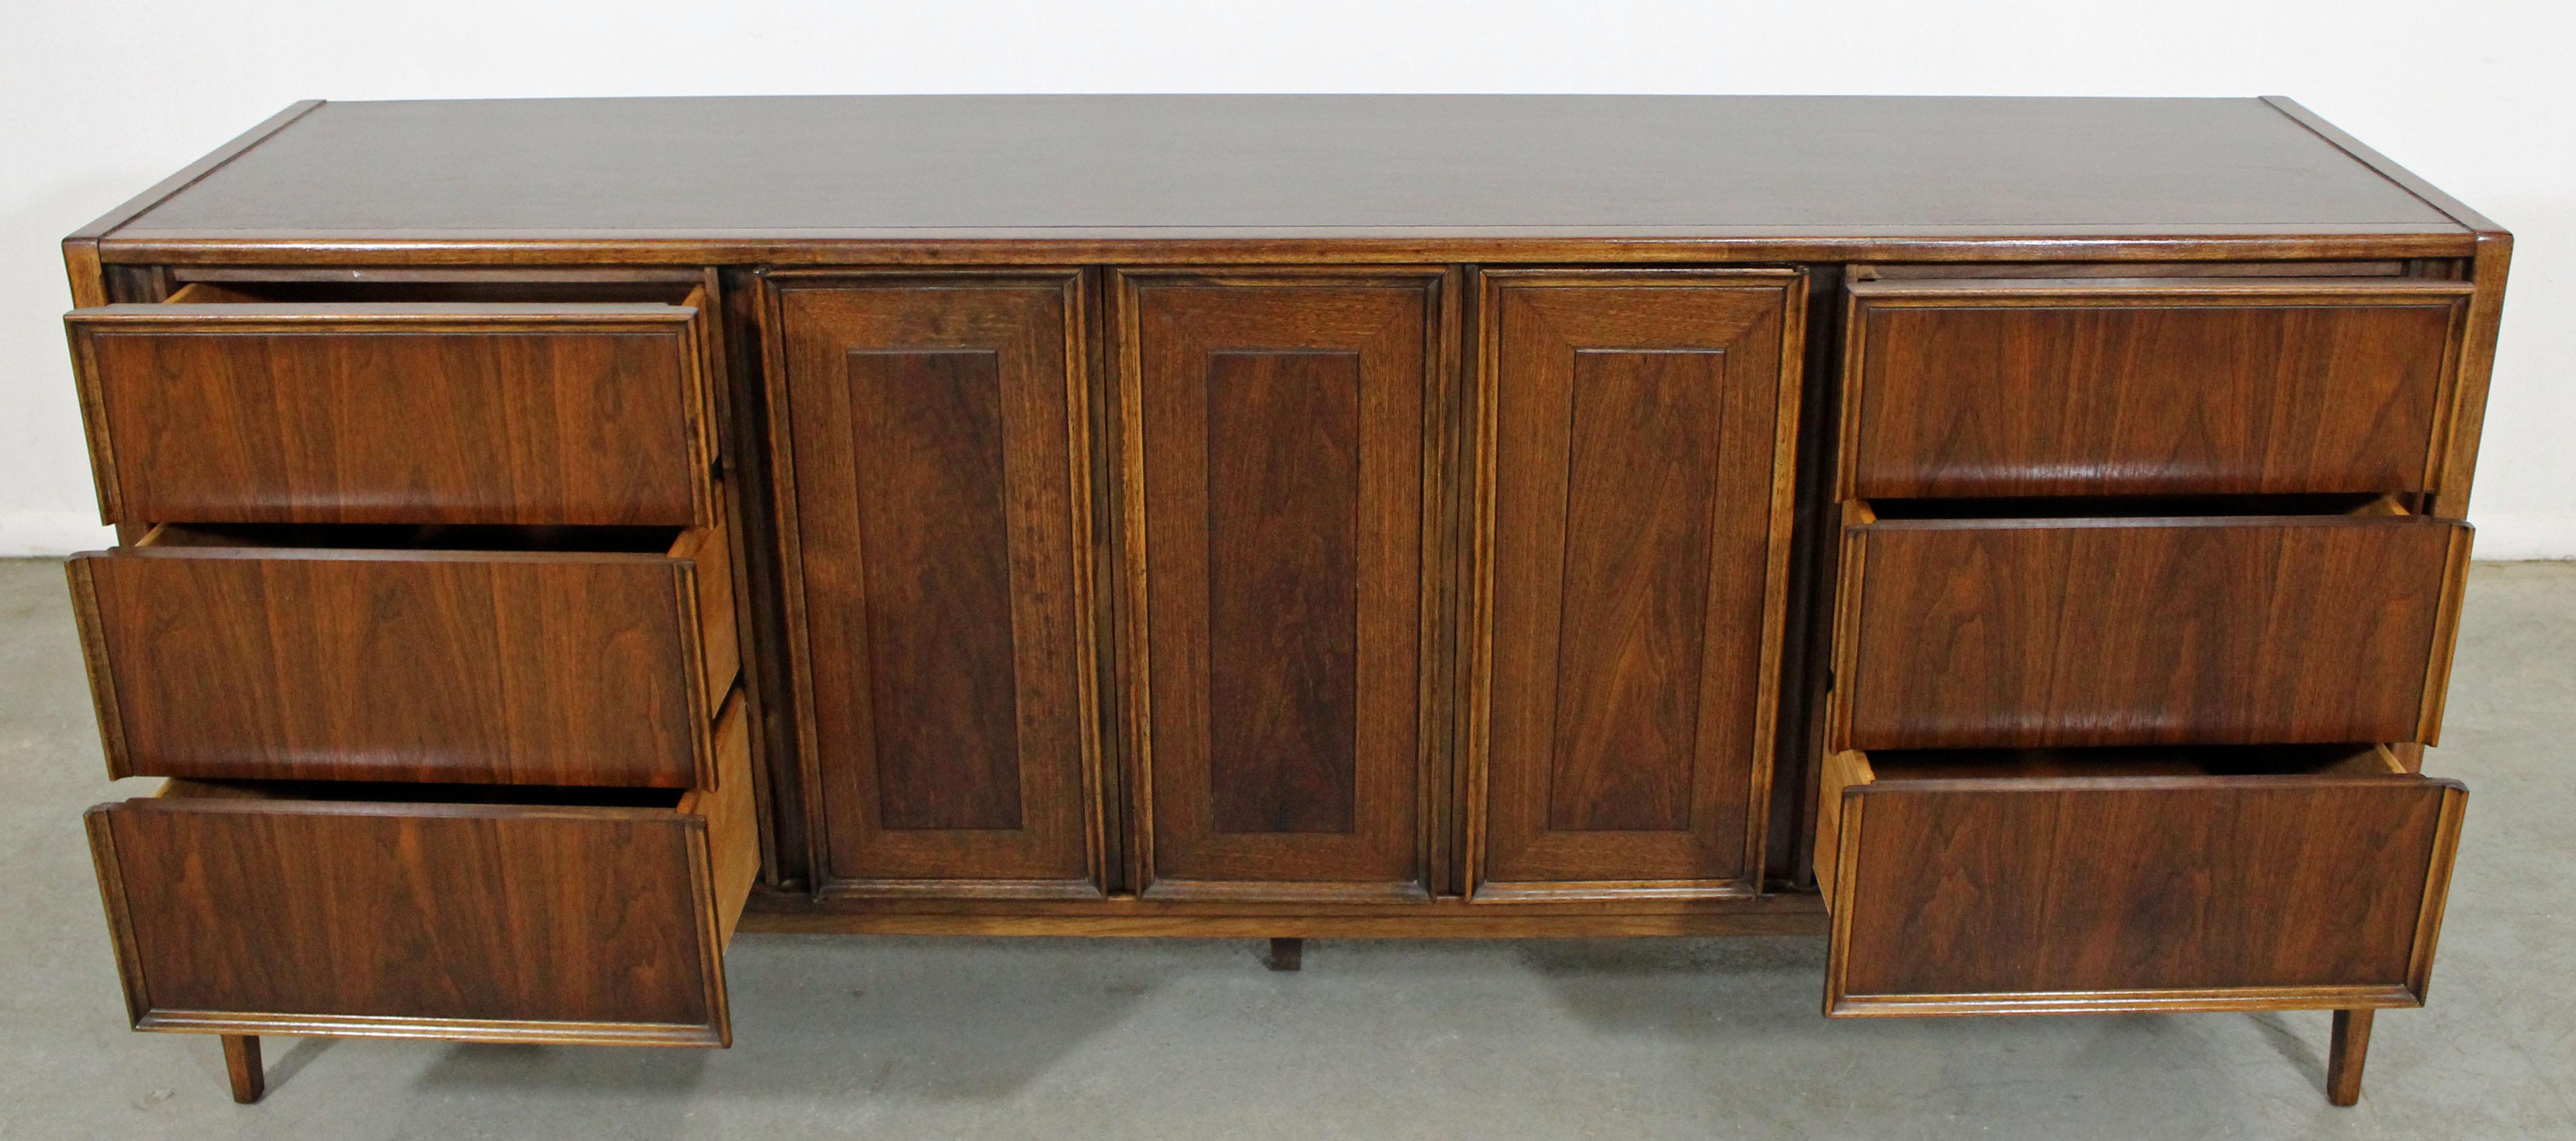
2193,761
2138,507
389,792
434,292
431,537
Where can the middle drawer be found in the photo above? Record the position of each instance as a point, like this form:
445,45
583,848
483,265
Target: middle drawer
487,655
2039,630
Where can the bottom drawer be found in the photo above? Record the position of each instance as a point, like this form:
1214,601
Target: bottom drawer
481,913
2032,881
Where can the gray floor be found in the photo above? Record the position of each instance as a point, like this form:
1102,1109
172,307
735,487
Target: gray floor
1060,1038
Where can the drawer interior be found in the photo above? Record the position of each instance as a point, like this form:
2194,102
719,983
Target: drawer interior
2196,761
676,542
345,792
403,292
2006,510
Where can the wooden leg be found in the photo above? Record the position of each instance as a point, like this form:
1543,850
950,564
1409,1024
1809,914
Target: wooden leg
241,1060
1285,954
2343,1060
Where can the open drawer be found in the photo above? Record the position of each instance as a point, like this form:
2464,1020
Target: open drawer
473,655
472,913
566,403
1999,881
2103,622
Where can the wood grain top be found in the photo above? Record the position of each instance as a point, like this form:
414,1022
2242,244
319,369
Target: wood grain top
1285,166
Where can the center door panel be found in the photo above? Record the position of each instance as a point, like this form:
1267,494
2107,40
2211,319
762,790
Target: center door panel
1274,475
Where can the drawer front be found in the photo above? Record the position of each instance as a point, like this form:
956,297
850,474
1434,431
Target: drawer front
2141,893
258,909
1957,633
414,413
493,668
2210,386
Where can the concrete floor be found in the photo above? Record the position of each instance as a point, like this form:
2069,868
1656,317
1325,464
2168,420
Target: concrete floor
1055,1038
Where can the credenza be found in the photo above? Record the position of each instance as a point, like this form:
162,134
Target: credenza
2017,541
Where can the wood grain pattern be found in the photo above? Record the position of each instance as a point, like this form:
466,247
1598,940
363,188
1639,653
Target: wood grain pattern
1970,387
241,1064
1225,534
1637,459
417,413
1283,519
2142,631
2136,892
255,909
2344,1057
503,667
927,440
934,489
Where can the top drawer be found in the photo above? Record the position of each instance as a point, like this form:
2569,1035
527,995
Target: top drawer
298,405
2168,386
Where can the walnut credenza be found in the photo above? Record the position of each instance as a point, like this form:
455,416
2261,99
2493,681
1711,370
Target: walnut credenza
2019,541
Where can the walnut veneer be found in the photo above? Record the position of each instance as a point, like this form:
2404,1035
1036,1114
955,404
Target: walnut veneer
2019,541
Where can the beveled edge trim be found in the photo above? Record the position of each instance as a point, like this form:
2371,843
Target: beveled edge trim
715,1034
99,664
2371,996
1513,892
2446,635
2380,164
92,395
366,316
1285,891
2008,292
100,822
138,205
981,889
1436,921
2437,889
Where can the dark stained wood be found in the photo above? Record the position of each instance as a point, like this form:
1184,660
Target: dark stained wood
2143,631
2350,1048
1239,492
1640,447
373,413
1018,165
1285,955
238,660
1975,888
241,1064
1283,521
934,489
1968,387
927,441
1304,735
307,909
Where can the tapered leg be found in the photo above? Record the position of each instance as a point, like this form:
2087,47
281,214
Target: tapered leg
1286,954
241,1060
2343,1060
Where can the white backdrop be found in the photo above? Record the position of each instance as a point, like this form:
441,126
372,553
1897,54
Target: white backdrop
101,98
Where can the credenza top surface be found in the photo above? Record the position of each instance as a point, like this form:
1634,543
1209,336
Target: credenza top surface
1285,166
